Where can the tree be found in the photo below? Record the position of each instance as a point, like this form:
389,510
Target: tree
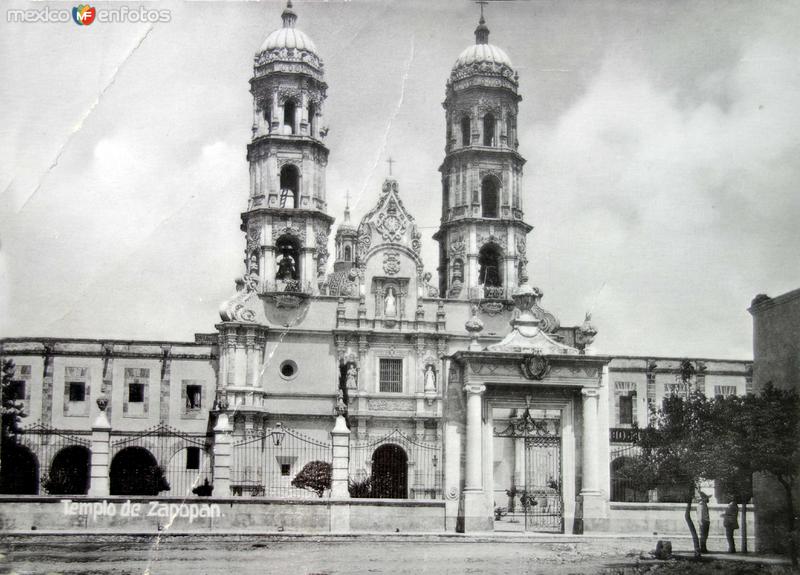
731,453
12,414
673,454
13,410
773,429
315,476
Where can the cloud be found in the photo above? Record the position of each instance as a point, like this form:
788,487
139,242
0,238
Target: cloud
678,207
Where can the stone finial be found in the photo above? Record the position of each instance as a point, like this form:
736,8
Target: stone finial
474,326
102,403
586,333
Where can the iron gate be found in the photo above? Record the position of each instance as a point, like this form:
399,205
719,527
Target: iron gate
541,498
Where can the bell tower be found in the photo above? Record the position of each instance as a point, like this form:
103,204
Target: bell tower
482,235
286,223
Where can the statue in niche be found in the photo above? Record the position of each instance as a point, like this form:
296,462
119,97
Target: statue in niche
458,271
390,305
352,376
341,406
253,265
430,378
286,267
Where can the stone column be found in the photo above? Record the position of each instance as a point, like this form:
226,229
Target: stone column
101,448
594,507
222,456
340,512
476,515
340,436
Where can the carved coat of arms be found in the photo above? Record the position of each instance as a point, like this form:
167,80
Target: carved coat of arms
535,367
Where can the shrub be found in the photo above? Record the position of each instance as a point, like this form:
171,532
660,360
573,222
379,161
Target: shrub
315,476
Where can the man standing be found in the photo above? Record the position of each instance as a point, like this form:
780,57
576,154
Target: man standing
705,521
731,523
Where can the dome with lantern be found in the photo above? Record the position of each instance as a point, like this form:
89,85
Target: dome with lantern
288,44
482,58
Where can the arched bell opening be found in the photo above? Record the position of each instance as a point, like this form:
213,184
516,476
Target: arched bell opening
490,266
290,187
490,197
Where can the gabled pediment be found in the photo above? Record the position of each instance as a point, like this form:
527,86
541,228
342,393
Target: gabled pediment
388,223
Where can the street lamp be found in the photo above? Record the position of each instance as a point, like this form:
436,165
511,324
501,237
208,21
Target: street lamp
277,434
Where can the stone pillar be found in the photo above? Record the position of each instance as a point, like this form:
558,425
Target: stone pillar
101,448
222,456
476,515
594,507
340,513
340,436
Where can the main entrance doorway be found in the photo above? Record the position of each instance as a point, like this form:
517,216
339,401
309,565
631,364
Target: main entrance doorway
527,471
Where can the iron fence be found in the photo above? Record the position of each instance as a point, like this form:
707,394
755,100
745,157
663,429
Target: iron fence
395,466
51,461
281,463
160,460
623,487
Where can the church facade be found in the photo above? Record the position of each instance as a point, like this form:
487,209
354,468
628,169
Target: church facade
456,384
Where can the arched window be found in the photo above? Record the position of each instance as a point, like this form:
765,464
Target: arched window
488,129
288,260
348,253
289,112
290,187
490,260
466,131
20,470
489,197
312,119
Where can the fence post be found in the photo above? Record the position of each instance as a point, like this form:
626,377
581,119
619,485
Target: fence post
101,449
341,458
222,456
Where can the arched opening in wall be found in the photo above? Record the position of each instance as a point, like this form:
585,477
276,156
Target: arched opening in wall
312,119
445,193
134,471
20,470
348,254
488,129
69,472
623,488
288,262
390,472
490,197
490,270
466,131
289,114
290,186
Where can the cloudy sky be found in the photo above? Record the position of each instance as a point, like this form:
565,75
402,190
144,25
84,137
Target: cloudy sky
662,139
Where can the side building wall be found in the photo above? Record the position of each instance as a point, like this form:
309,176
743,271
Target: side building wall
776,349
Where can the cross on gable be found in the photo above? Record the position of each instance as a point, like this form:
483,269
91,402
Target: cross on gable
390,161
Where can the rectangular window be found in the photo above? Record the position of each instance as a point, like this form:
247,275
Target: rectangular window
136,393
391,375
724,390
77,391
286,469
16,391
192,458
626,410
194,396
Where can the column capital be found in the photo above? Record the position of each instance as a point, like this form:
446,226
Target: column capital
592,392
474,388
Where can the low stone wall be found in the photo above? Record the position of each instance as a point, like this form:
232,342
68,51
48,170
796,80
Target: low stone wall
662,519
200,515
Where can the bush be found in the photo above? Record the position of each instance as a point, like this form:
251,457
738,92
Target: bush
315,476
360,487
